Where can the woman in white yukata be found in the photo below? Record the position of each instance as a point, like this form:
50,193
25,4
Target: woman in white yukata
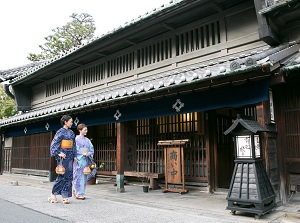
84,157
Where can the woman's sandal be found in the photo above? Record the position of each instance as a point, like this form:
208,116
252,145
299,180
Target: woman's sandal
52,199
65,201
80,197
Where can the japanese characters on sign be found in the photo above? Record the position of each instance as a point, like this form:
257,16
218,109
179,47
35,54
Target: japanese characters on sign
173,165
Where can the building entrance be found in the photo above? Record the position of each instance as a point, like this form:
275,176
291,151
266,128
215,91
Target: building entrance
225,152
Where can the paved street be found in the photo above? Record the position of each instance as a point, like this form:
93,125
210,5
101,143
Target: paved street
94,209
104,204
12,213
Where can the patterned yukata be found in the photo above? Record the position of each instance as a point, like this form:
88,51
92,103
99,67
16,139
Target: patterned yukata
79,179
63,183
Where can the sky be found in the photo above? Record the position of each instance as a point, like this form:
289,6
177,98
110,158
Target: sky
25,23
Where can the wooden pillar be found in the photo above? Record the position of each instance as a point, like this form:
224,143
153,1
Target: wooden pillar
211,153
120,157
262,118
269,147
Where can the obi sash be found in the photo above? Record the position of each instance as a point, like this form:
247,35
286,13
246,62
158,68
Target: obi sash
66,144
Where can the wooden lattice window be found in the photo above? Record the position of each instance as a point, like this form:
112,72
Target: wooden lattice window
120,64
153,53
72,81
53,88
93,74
250,111
198,38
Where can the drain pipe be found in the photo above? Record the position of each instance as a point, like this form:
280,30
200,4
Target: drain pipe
6,88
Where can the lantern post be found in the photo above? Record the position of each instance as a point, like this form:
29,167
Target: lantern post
250,188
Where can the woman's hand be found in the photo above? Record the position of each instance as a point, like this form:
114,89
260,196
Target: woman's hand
62,155
87,154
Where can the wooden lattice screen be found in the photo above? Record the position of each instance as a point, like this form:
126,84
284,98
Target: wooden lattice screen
150,157
104,139
292,134
31,151
7,159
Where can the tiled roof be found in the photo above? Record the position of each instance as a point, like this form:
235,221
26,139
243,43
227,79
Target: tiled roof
184,76
19,73
247,123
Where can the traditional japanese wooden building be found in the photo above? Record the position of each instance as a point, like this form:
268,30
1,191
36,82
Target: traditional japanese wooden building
182,71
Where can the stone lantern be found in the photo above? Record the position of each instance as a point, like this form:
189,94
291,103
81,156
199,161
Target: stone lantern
250,188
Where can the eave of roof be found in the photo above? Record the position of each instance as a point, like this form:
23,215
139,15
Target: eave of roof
193,74
292,64
15,72
24,73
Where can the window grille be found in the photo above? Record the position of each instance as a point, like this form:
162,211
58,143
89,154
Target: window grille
188,41
53,88
71,81
154,53
198,38
120,64
93,74
250,111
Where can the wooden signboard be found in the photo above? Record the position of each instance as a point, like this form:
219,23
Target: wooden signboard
174,164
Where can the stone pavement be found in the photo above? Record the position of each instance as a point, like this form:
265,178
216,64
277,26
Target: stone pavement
195,201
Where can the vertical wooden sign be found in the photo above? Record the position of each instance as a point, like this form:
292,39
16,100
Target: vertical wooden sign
174,164
173,168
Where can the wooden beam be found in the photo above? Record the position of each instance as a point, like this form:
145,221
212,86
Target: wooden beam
101,54
130,42
141,174
167,26
77,64
277,79
173,142
215,7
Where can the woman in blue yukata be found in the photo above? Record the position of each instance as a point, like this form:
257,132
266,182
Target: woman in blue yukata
84,157
63,147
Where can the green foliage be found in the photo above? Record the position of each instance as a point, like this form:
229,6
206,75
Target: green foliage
7,105
74,33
